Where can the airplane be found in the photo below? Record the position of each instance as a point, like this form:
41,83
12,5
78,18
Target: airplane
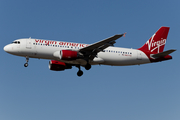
65,55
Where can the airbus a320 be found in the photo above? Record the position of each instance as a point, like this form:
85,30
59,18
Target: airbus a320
65,55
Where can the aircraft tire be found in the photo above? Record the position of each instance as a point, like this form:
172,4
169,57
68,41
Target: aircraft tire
88,66
80,73
26,64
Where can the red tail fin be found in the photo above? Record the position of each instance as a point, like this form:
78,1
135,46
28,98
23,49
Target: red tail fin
157,42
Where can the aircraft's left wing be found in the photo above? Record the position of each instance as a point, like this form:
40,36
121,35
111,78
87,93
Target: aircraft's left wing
91,51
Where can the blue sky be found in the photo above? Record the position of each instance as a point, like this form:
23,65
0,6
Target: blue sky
142,92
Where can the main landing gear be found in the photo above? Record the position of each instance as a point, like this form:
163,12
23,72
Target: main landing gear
88,66
80,72
26,64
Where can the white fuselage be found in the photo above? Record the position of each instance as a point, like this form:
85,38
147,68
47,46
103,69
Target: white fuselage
46,49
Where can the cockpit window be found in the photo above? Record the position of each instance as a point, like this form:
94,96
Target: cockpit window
16,42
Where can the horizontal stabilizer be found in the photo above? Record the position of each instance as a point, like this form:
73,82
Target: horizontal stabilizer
162,54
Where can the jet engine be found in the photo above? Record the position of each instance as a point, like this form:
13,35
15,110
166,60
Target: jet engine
58,66
68,55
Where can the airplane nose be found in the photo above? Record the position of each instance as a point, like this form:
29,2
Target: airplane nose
6,48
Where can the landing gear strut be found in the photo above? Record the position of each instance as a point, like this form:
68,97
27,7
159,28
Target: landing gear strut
80,72
26,64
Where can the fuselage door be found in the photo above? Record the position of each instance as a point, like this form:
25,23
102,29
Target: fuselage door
139,56
28,43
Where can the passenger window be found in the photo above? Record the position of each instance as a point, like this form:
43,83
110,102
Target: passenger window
14,42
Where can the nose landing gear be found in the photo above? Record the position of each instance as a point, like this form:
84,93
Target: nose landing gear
26,64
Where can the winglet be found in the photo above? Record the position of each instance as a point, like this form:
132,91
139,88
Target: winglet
124,35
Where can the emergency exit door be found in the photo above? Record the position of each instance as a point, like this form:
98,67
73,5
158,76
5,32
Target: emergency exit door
28,43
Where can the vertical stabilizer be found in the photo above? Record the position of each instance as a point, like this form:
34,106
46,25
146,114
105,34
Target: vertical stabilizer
157,42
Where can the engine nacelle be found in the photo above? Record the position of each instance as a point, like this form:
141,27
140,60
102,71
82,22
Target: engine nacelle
68,55
58,66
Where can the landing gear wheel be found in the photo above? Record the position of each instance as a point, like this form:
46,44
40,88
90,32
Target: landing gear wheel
27,60
80,73
26,64
88,66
